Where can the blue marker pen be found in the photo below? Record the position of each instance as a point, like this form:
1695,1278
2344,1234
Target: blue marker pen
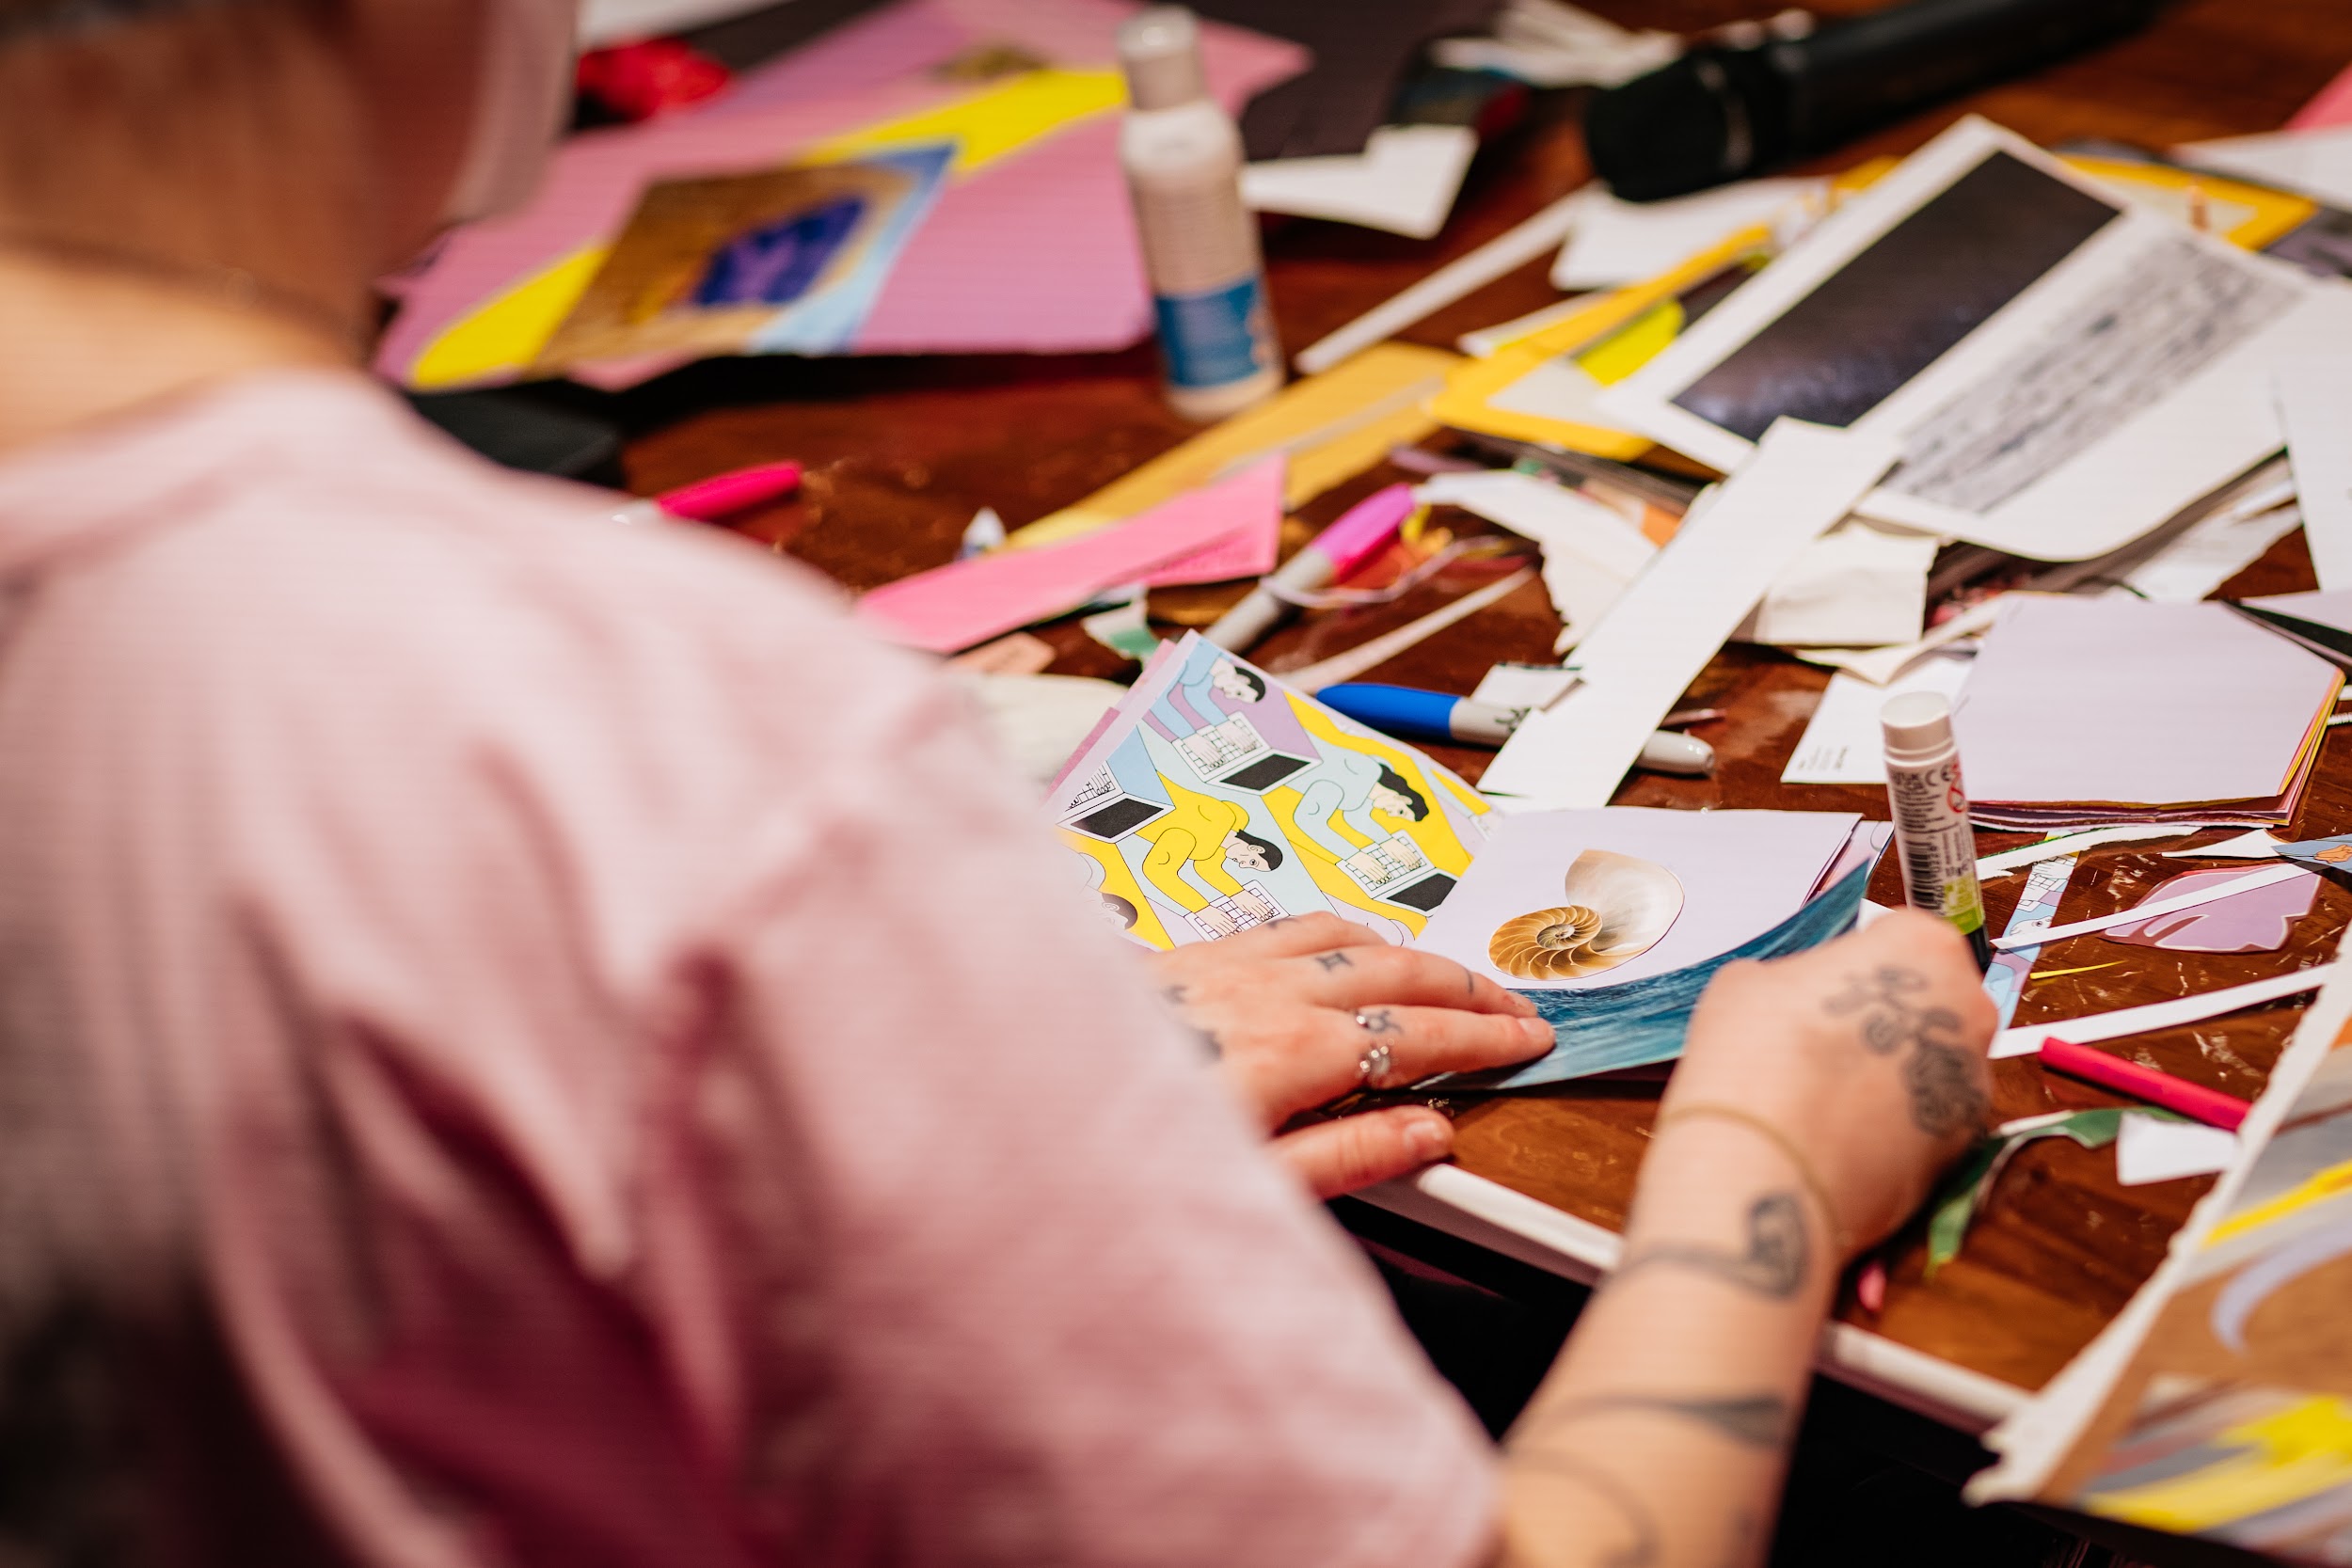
1407,711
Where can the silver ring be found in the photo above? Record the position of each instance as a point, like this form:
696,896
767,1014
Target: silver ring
1373,1065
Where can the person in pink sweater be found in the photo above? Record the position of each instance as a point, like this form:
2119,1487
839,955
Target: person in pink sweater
491,1074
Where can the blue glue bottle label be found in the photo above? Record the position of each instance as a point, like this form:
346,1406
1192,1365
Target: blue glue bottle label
1214,338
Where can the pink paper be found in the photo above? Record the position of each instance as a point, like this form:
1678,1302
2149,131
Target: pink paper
967,602
1033,253
2258,920
1256,543
2333,106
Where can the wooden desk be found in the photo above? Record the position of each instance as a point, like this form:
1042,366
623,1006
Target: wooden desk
902,452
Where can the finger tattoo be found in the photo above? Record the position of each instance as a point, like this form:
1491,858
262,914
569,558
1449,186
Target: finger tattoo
1774,1263
1380,1020
1334,960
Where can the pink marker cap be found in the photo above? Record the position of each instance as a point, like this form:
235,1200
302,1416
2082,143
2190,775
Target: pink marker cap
1365,529
707,501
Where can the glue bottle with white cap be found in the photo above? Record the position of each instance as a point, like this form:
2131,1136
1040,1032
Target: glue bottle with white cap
1182,154
1930,810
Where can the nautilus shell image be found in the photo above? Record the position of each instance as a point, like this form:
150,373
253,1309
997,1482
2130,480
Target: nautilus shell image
1613,908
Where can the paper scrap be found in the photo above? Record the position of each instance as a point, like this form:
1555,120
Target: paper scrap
983,534
1404,182
2159,1148
1644,654
2315,163
1589,551
969,601
2090,838
1861,584
1038,721
2249,881
2260,921
2124,1021
2255,846
1547,43
1524,687
1880,665
2316,402
1843,744
2036,909
1124,628
1617,242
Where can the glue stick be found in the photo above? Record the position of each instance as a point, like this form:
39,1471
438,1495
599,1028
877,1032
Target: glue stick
1182,154
1931,832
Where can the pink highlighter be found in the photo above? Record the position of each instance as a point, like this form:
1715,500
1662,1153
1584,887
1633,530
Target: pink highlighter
2194,1100
711,499
1362,532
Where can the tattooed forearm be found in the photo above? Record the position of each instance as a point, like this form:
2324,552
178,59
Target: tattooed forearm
1639,1547
1774,1263
1752,1420
1944,1094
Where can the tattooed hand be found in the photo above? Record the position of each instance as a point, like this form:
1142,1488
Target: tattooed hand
1867,1053
1290,1012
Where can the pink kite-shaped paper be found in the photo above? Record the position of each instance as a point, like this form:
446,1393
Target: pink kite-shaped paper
967,602
2257,921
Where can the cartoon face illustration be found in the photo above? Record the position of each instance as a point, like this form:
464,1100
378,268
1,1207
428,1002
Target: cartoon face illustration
1117,912
1394,797
1250,852
1245,854
1235,682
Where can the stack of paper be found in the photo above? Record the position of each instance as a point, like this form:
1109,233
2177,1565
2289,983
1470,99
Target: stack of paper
2086,711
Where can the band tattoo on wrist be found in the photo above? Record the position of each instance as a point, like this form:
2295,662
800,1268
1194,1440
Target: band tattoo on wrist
1752,1420
1640,1549
1946,1097
1774,1264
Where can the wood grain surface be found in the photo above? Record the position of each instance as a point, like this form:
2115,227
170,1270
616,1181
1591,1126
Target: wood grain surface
902,453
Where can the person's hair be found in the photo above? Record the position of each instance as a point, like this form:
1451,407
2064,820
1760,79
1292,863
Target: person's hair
1273,856
1391,779
1257,686
1120,907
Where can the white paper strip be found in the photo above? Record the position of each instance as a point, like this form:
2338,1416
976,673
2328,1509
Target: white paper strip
2026,1040
2315,404
2269,877
2090,838
1661,634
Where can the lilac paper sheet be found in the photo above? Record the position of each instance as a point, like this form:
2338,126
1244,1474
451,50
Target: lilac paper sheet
2121,701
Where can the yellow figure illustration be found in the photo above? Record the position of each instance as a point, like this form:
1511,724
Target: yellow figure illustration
1360,793
1202,833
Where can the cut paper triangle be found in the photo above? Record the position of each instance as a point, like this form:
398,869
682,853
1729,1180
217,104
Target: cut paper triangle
967,602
